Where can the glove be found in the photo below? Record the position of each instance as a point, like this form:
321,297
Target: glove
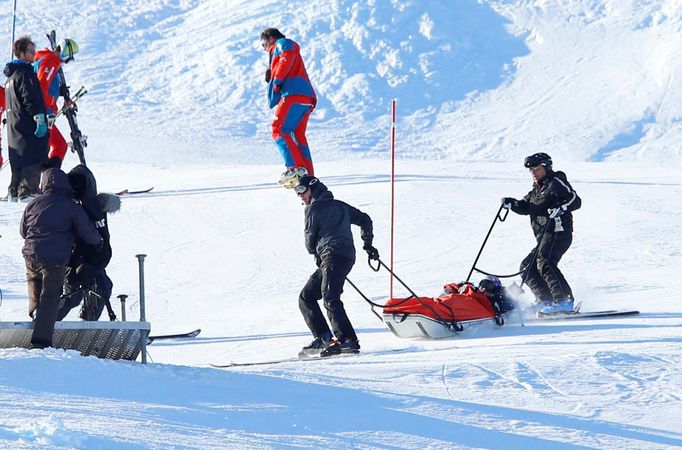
41,125
268,75
86,274
509,202
556,212
372,252
51,118
318,260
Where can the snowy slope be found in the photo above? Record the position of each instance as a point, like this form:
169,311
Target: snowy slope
177,101
590,80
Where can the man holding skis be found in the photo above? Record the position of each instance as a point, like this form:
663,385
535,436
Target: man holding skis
47,64
26,122
549,205
293,97
328,236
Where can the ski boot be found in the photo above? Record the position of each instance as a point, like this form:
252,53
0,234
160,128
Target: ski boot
316,346
290,178
336,348
561,307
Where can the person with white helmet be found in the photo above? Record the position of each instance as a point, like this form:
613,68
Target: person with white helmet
47,63
329,238
549,204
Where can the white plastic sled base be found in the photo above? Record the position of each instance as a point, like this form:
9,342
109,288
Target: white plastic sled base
419,326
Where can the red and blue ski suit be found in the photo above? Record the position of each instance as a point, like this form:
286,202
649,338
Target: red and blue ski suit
46,65
293,97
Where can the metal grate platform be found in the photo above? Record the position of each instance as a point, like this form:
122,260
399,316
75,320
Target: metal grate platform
108,340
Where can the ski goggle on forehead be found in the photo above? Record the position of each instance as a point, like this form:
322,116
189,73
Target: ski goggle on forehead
300,189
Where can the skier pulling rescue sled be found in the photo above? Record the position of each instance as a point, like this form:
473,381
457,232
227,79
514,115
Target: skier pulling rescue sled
328,237
549,204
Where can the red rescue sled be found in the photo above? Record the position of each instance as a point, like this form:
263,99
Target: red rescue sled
439,317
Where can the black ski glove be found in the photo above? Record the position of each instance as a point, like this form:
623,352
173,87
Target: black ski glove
509,202
268,75
371,251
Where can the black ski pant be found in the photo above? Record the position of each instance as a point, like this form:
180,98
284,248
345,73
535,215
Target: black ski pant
94,296
544,278
44,289
326,283
25,174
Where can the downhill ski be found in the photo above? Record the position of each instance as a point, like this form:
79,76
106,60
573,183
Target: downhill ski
78,141
586,315
133,192
303,359
191,334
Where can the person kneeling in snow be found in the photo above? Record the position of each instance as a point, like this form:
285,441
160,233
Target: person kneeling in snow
86,277
50,225
328,236
549,205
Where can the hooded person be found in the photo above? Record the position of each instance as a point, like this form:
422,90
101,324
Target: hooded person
50,225
329,238
86,272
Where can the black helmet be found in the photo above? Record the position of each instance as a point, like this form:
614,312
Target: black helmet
490,285
538,159
304,183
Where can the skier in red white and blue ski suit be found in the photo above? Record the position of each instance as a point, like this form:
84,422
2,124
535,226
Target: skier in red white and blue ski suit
47,64
293,97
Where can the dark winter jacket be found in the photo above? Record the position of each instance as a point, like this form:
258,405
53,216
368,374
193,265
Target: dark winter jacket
327,225
52,222
553,191
96,206
24,100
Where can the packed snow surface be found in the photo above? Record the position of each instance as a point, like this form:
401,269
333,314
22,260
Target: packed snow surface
177,101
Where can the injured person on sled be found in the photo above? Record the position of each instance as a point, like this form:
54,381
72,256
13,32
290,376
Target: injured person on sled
444,316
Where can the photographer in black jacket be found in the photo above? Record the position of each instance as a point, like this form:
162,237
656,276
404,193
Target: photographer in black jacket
549,205
328,236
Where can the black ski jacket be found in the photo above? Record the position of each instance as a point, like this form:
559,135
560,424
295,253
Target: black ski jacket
553,191
327,225
96,206
24,99
52,221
